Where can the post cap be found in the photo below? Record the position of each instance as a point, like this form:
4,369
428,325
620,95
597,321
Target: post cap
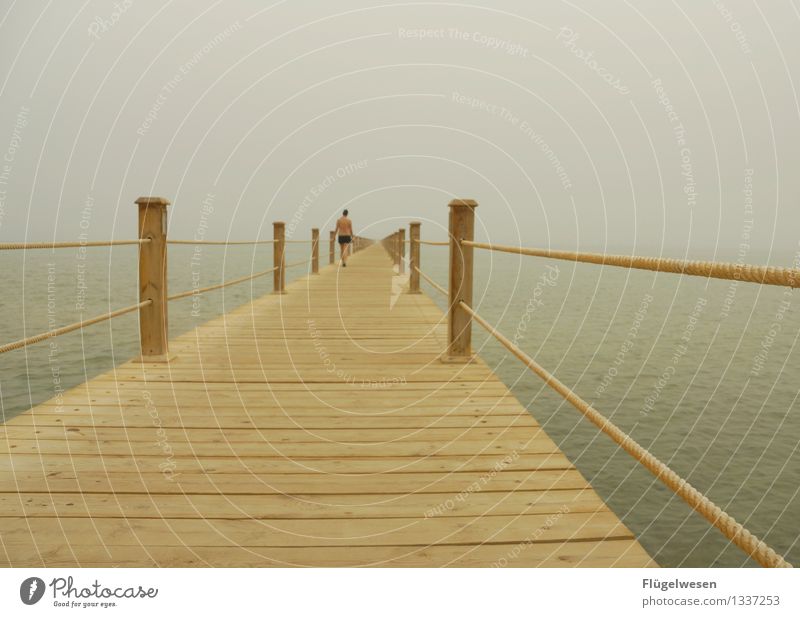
152,201
278,223
469,203
415,223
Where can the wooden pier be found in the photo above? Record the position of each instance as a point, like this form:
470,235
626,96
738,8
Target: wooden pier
316,427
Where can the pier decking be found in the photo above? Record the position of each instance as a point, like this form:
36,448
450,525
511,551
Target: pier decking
315,428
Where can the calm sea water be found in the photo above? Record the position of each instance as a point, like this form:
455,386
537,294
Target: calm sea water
45,287
703,373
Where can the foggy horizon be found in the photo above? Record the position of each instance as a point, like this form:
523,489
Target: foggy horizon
663,129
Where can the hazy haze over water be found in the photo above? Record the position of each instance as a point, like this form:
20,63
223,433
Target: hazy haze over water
506,102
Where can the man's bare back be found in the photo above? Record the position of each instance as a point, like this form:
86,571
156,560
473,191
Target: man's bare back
344,226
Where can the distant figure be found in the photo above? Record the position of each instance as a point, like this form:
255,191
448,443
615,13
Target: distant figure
344,229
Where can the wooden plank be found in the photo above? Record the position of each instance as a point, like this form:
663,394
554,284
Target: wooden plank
539,443
234,462
299,506
345,532
304,435
137,418
549,472
624,553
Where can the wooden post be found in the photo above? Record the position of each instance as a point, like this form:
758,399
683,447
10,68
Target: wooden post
401,243
153,318
333,247
396,248
413,254
315,251
459,322
279,257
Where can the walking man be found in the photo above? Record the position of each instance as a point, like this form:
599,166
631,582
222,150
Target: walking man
344,229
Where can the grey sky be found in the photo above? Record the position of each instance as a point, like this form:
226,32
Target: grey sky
547,113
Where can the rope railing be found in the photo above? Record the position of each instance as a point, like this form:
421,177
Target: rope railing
298,263
153,241
71,327
226,242
735,532
432,283
430,243
200,290
220,242
767,275
459,348
14,246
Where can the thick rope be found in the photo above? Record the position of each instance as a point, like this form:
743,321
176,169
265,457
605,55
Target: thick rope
767,275
12,246
732,530
432,243
192,292
433,283
75,326
297,263
220,242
